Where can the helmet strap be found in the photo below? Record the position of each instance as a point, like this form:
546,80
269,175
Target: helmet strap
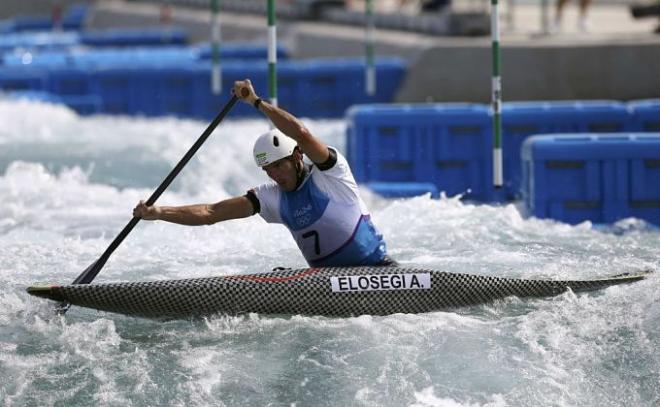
301,170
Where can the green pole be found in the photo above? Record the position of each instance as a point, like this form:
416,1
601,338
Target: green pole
370,70
216,72
497,96
272,54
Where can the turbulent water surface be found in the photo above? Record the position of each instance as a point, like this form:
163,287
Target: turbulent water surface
68,185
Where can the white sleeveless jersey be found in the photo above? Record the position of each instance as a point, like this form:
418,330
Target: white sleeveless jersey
326,216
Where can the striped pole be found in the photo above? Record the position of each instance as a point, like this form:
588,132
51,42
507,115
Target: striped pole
497,96
216,72
272,54
370,70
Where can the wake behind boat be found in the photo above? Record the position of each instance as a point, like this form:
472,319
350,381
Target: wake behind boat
328,291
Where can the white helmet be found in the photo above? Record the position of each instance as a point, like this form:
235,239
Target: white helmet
272,146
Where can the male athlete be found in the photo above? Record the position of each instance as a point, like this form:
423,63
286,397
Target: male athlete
319,202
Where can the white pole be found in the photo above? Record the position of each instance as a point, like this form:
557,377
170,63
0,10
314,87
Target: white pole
496,96
370,70
272,53
216,71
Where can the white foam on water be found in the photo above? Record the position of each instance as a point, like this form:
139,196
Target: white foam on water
68,185
427,398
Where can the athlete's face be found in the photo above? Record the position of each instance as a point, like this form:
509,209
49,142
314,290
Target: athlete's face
283,172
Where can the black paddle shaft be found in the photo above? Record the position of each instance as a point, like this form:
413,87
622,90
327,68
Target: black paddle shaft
90,273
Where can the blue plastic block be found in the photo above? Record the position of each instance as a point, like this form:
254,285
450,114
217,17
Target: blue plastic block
6,27
523,119
403,189
206,105
166,56
170,89
35,96
383,144
113,86
241,51
31,23
645,115
69,81
326,88
287,88
321,84
83,104
448,145
18,78
170,81
71,20
314,88
74,17
146,91
47,59
135,37
459,150
596,177
38,41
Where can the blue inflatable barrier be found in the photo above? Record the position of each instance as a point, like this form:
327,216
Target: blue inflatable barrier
207,104
6,27
113,86
325,88
133,56
38,41
403,189
33,95
74,17
47,59
645,115
241,51
366,124
596,177
105,57
136,57
14,79
151,91
27,23
523,119
462,163
183,88
147,91
165,91
448,145
69,81
130,37
84,104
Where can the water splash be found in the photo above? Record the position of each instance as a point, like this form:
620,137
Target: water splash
59,211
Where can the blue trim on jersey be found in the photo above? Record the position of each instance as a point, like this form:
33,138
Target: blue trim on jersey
365,247
304,206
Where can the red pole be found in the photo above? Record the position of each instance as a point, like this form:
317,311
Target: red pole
56,16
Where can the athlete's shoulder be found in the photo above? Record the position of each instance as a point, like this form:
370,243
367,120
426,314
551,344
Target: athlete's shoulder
336,165
266,188
268,195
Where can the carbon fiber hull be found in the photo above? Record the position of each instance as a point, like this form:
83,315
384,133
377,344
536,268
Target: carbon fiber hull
319,291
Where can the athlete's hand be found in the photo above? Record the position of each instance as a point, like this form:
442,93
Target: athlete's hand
244,91
145,212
